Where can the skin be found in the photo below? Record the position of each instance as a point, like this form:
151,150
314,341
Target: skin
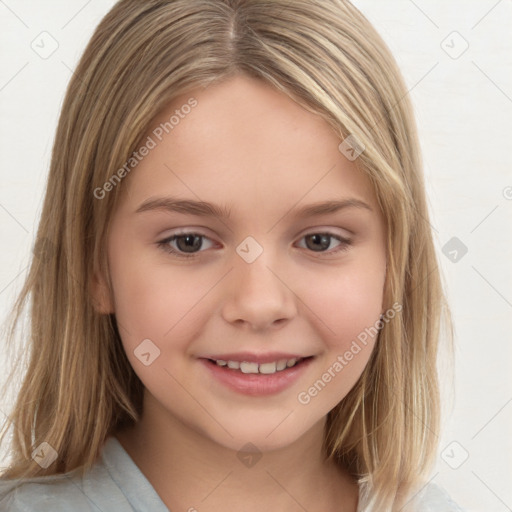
255,151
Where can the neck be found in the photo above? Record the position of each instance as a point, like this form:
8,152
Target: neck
190,471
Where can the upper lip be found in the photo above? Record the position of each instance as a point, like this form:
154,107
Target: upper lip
251,357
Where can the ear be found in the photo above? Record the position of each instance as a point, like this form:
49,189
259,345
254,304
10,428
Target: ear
100,294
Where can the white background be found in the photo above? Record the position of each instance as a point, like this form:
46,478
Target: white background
464,110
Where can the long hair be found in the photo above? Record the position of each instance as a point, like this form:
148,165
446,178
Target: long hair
78,386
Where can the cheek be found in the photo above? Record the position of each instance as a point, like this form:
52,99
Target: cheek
158,314
345,308
152,302
347,300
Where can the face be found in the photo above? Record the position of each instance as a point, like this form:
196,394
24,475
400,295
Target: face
245,242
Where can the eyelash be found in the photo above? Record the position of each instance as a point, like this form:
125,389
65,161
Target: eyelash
164,244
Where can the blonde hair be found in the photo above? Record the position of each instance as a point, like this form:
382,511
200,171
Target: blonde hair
79,387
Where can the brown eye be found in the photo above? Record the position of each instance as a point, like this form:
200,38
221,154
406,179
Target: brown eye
186,244
318,242
189,243
323,243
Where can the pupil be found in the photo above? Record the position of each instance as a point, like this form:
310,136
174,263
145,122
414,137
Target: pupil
323,240
192,243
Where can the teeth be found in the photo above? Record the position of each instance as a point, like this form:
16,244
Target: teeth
249,367
268,368
281,365
265,368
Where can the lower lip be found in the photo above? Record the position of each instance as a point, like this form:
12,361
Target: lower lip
257,384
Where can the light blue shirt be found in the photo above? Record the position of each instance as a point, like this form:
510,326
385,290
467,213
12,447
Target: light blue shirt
116,484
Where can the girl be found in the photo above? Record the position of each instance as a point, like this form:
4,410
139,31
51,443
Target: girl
235,301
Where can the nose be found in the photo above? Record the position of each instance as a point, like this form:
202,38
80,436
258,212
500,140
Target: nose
258,297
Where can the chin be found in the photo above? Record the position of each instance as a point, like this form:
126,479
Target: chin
266,435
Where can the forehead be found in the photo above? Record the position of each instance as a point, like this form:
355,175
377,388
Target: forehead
247,144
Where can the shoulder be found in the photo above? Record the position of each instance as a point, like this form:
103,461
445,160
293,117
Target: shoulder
430,498
114,484
61,493
433,498
41,494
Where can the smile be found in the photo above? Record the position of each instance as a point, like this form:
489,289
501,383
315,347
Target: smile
256,378
264,368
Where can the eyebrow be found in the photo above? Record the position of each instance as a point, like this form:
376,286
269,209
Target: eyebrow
205,209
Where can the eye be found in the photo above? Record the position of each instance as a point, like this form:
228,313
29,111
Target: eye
185,244
322,242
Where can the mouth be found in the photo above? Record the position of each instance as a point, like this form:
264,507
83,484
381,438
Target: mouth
269,368
256,378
